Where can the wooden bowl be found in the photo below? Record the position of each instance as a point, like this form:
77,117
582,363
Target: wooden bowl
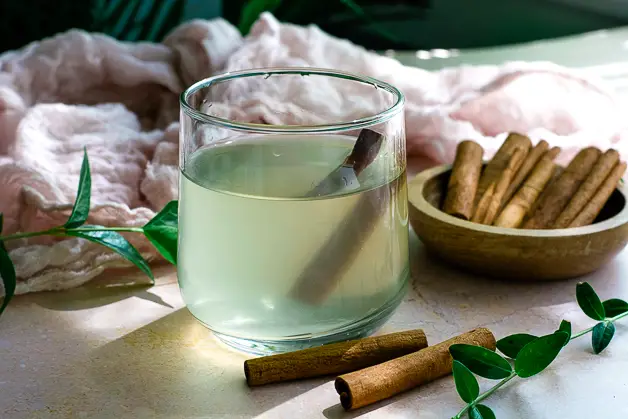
532,255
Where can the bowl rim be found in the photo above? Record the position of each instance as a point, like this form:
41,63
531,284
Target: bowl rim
418,201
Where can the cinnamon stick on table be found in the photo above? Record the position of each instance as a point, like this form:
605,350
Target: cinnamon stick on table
498,163
597,202
379,382
515,210
560,191
335,358
526,168
589,187
463,182
502,184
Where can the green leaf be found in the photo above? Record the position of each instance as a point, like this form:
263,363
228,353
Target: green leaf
602,334
481,411
116,242
162,231
466,384
589,302
481,361
126,19
1,222
511,345
80,211
565,326
614,307
170,15
538,354
252,10
9,280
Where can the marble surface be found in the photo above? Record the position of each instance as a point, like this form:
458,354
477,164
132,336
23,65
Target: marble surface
104,351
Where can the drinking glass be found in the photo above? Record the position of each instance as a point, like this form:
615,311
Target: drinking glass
293,217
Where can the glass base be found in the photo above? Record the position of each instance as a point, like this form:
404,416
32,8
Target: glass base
355,330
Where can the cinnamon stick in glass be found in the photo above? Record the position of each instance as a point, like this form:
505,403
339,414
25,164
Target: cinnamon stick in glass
498,163
526,168
379,382
560,191
589,187
336,358
515,210
597,202
321,274
463,181
502,184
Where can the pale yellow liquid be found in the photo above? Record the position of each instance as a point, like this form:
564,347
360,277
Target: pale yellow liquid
246,234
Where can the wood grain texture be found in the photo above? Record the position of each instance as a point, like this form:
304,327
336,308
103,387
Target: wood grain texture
514,254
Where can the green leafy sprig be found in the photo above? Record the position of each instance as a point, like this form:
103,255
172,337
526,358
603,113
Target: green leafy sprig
161,231
527,354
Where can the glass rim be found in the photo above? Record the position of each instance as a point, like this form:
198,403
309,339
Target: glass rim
377,118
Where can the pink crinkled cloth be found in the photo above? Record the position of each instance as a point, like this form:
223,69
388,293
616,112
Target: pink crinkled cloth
120,100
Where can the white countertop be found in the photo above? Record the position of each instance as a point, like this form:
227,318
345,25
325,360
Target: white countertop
101,352
104,351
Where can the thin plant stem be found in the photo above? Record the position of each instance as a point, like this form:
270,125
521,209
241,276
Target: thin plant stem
492,390
119,229
29,234
610,319
617,317
486,394
60,231
581,333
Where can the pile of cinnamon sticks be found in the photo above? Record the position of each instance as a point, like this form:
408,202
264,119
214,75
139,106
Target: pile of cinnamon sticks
372,369
522,187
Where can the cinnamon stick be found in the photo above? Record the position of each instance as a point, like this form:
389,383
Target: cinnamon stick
335,358
502,184
542,196
482,207
528,165
322,273
560,192
589,187
597,202
515,210
498,163
463,182
379,382
552,153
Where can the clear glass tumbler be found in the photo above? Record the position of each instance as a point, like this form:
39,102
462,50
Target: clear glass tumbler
293,218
